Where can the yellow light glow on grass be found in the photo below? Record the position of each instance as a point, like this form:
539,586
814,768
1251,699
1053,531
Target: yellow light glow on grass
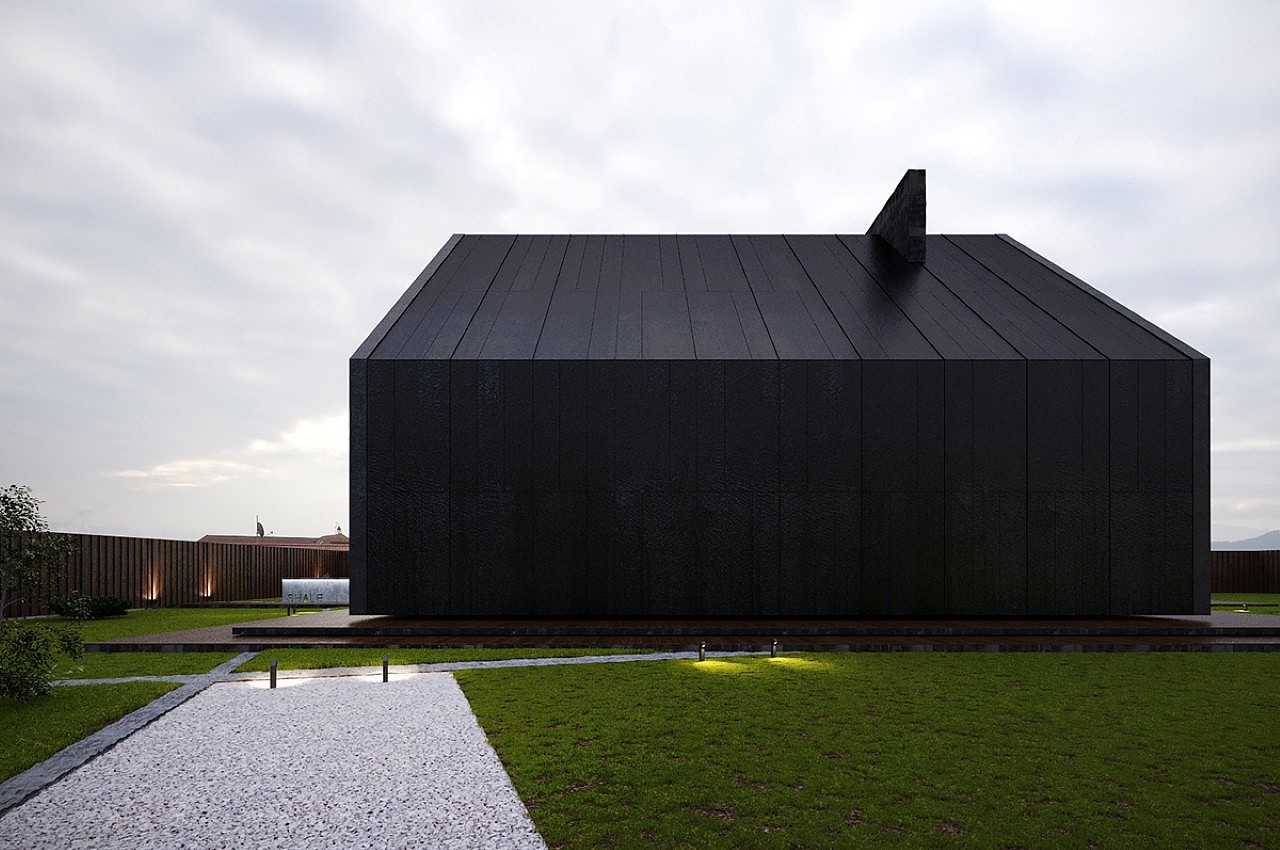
720,665
795,662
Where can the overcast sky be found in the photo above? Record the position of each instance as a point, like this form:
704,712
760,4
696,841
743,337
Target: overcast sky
205,208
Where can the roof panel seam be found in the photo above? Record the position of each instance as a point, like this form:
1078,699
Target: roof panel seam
560,270
1150,327
787,241
760,312
886,294
1002,279
978,315
410,302
684,293
488,286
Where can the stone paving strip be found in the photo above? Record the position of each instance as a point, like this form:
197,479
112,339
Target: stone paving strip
332,758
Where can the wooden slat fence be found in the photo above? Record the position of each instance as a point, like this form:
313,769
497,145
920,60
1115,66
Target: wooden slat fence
1236,571
145,571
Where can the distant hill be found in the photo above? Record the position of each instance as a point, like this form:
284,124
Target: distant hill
1270,540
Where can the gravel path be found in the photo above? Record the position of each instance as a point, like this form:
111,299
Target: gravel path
344,762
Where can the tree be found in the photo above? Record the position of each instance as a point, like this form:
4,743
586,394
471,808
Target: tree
30,557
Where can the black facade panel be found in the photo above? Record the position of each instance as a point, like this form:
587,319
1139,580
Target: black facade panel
833,426
382,547
560,547
959,431
517,425
490,425
490,572
358,482
710,424
601,418
1138,550
902,553
846,586
1200,483
807,565
986,551
626,555
682,426
575,413
1096,416
1067,552
793,426
1179,425
890,422
640,425
464,550
763,575
725,554
1151,425
751,425
671,552
546,427
430,556
463,469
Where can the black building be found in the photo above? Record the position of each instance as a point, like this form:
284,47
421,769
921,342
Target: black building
880,424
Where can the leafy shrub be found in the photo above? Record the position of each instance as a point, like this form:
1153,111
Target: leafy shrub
28,654
107,606
73,606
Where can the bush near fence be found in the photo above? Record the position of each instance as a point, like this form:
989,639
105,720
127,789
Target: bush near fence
1236,571
182,572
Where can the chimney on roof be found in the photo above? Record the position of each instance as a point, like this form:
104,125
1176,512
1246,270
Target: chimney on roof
901,221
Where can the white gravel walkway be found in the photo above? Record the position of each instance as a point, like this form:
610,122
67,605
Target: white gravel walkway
316,763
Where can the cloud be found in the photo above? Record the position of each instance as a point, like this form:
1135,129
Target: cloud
326,436
323,439
192,473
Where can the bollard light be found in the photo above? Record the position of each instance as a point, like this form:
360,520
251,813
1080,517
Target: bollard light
273,674
384,668
773,650
702,651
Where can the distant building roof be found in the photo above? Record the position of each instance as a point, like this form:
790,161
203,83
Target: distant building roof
328,541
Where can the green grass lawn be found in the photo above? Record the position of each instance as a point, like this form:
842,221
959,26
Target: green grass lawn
159,620
319,659
31,732
901,749
111,665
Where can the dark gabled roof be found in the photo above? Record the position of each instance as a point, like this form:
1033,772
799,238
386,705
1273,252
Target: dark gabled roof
754,297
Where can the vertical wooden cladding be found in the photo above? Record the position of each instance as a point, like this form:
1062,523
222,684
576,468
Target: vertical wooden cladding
1068,523
902,487
985,474
143,571
1152,485
1236,571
